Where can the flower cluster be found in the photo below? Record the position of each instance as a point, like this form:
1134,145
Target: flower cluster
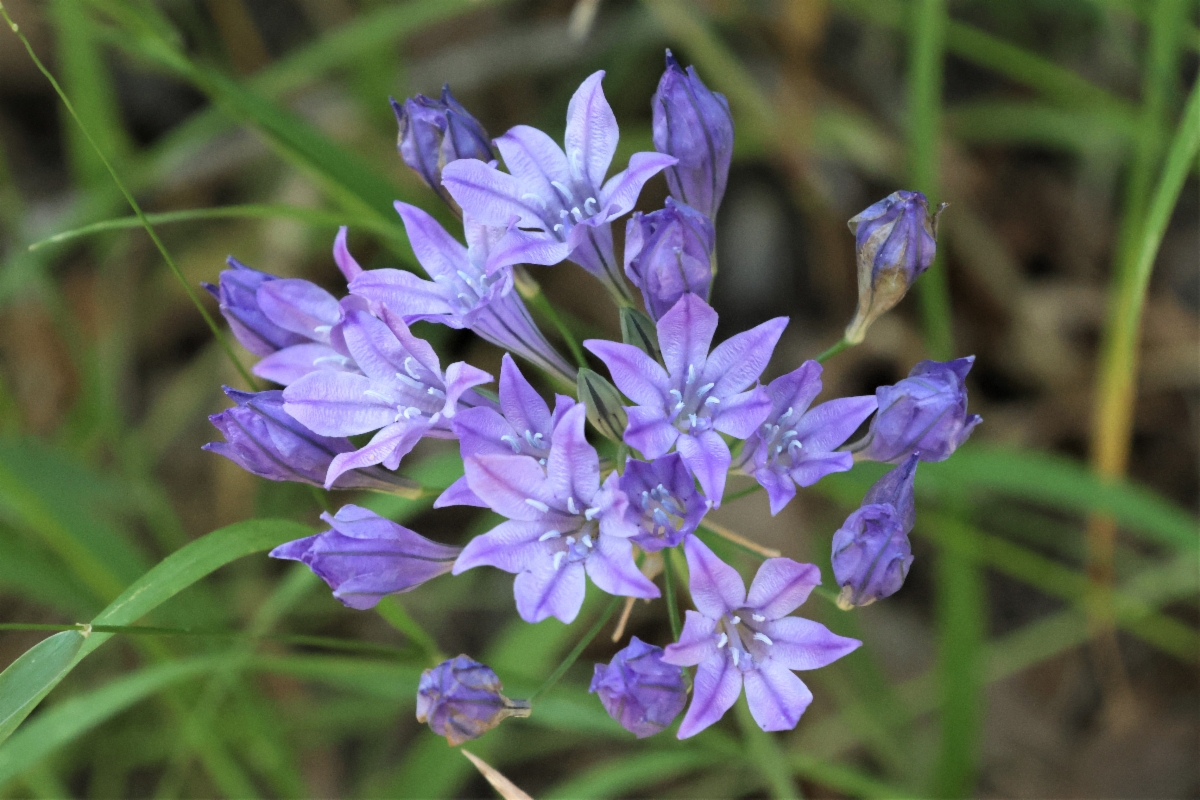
685,413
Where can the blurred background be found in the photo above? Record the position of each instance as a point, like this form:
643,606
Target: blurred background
1044,123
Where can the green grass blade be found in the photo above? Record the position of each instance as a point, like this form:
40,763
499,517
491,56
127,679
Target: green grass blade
74,717
762,749
32,675
620,777
311,216
174,574
961,614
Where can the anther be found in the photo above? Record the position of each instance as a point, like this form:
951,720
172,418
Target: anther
513,442
558,558
550,534
762,637
571,505
322,329
705,389
758,618
590,513
538,504
735,619
691,375
724,640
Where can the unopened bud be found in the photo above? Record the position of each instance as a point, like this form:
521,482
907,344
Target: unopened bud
638,330
668,253
460,699
435,132
604,404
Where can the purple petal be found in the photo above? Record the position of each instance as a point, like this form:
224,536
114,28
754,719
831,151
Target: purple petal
741,414
290,364
636,374
649,432
797,389
685,333
437,251
620,193
461,376
336,404
488,195
779,486
386,447
512,546
697,642
535,160
520,403
417,348
718,684
612,568
373,346
738,361
459,494
800,643
573,467
830,424
506,482
548,592
526,247
781,585
716,587
776,696
299,306
341,256
811,468
591,136
403,293
707,456
479,432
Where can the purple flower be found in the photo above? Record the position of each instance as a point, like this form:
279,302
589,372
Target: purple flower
460,699
795,446
522,426
561,524
895,240
434,133
292,322
462,294
365,556
925,412
663,501
871,552
262,438
668,253
402,393
698,394
556,204
694,125
737,638
640,690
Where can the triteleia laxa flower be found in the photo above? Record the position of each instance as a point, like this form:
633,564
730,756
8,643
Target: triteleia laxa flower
561,524
796,444
461,699
663,501
735,638
262,438
871,552
403,393
640,690
561,204
365,557
462,293
895,241
693,124
699,395
668,253
926,412
522,426
434,133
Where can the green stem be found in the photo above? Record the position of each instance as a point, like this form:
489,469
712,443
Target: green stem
927,40
137,209
763,750
669,594
833,350
573,656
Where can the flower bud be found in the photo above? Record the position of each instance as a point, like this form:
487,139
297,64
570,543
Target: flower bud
365,556
668,253
460,699
237,294
694,125
895,241
926,412
262,438
871,551
605,408
639,690
435,132
639,330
